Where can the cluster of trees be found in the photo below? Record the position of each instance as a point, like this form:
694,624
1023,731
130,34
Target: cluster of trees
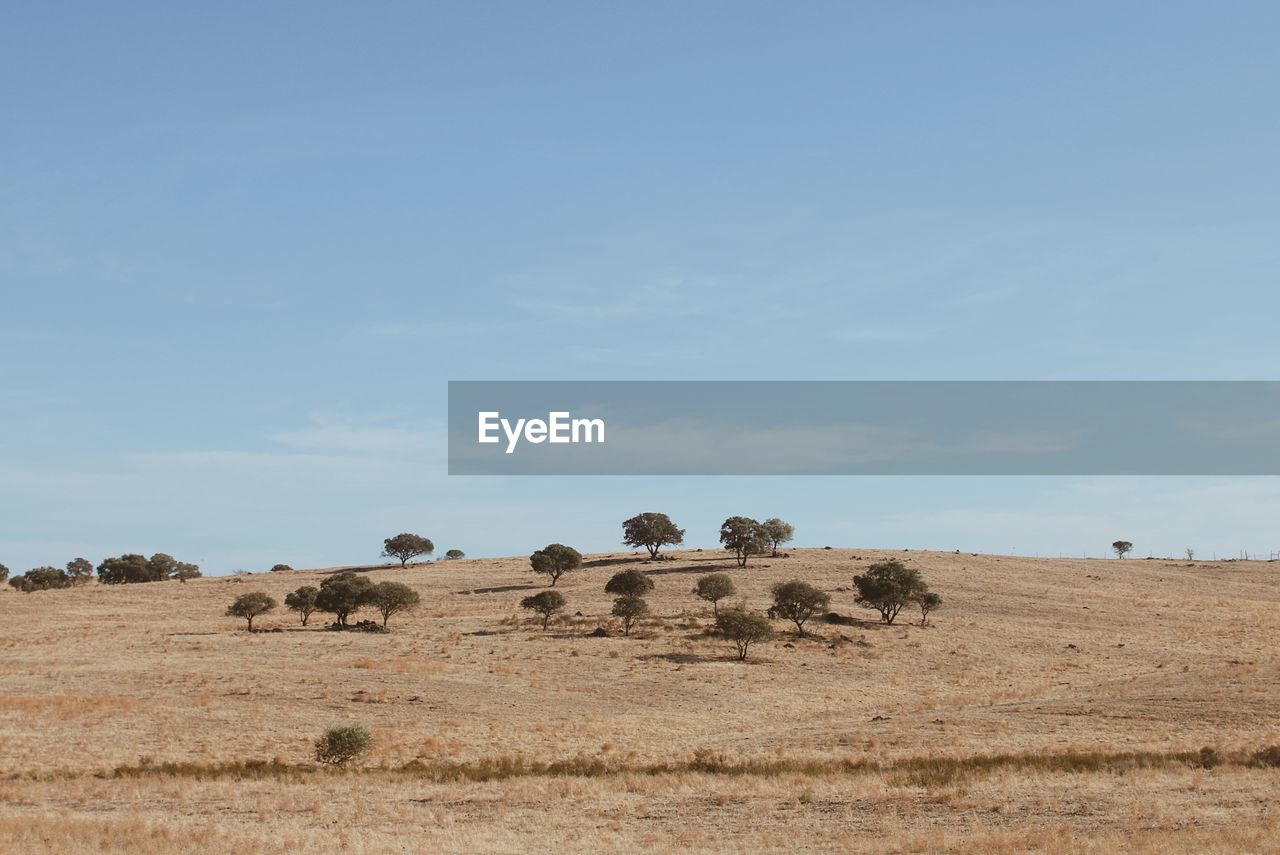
341,595
112,571
745,537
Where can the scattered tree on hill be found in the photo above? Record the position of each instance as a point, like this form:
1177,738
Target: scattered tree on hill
798,601
392,598
545,603
41,579
302,601
554,560
338,745
713,588
629,583
630,609
126,569
405,546
455,554
250,606
182,571
887,586
281,568
343,594
80,570
778,532
743,537
652,531
743,628
928,602
1122,547
4,572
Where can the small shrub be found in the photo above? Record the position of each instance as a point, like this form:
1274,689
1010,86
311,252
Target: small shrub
391,598
545,603
798,601
629,583
1269,756
281,568
743,629
341,744
302,601
928,602
630,609
455,554
713,588
250,606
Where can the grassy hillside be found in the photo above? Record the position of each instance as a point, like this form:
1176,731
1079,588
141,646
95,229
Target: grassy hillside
863,736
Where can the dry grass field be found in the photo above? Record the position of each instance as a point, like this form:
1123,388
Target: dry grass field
1053,705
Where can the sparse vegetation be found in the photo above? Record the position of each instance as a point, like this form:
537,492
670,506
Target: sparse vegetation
652,531
744,537
713,588
928,602
743,628
887,587
1122,548
778,532
797,602
545,603
303,601
392,598
630,609
629,583
251,605
342,744
554,560
405,546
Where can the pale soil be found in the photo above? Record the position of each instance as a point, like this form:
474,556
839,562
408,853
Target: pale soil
1166,657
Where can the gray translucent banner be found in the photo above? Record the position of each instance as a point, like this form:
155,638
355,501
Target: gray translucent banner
864,428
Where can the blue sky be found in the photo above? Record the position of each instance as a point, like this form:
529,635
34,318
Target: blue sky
242,250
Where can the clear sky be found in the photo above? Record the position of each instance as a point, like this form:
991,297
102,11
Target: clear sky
244,246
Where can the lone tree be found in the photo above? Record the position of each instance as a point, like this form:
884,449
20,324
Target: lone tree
1122,547
554,560
652,531
281,568
392,598
713,588
545,603
887,586
798,601
250,606
4,572
743,537
79,569
629,583
302,601
630,609
928,602
405,546
455,554
343,594
743,629
778,532
338,745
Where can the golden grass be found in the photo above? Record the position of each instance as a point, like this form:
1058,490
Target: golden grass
1055,705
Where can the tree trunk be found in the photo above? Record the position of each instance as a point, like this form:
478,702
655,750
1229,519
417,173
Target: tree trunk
250,624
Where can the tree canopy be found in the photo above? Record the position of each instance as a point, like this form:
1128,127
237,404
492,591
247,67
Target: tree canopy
554,560
778,532
343,594
302,601
391,598
743,537
798,601
250,606
652,531
743,629
713,588
887,587
630,609
404,546
545,603
629,583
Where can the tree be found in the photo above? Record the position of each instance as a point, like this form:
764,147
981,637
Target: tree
629,583
80,570
652,531
887,586
126,569
392,598
250,606
41,579
4,572
778,532
743,629
161,566
1122,547
743,537
928,602
343,594
406,546
302,601
455,554
713,588
630,609
182,571
554,560
281,568
798,601
545,603
337,745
